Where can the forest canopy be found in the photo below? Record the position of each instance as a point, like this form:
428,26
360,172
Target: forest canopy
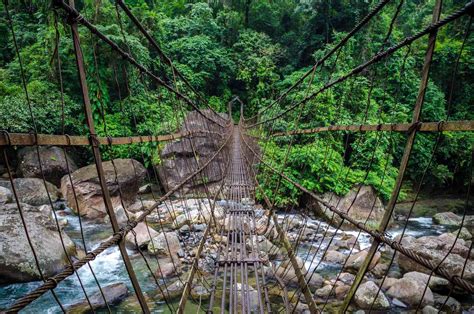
253,50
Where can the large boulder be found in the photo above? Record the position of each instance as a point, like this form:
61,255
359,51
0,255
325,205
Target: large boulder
355,261
447,218
334,257
410,291
128,179
365,295
360,205
17,263
435,283
32,191
140,236
436,249
6,196
287,274
113,293
54,163
178,157
165,243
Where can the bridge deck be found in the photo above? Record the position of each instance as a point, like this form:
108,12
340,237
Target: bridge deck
241,276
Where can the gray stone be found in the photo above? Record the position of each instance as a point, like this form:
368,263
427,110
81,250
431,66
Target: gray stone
178,160
463,234
435,283
165,243
365,295
355,261
130,175
17,263
334,257
167,269
429,310
410,292
199,227
114,294
447,218
32,191
325,291
6,196
54,163
143,235
367,205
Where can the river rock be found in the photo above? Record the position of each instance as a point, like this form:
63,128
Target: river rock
447,218
32,191
199,292
113,293
54,163
172,291
360,209
286,273
334,257
6,196
167,269
143,236
429,310
88,190
463,234
436,248
16,259
355,261
448,304
166,244
410,292
365,295
325,291
341,291
435,283
140,206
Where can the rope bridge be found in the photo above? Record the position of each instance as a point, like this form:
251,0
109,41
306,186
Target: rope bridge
243,277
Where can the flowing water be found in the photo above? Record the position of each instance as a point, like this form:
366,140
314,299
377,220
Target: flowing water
108,266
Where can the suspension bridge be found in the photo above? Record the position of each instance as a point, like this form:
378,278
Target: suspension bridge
241,276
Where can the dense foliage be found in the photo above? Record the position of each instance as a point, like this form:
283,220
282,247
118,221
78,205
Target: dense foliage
252,49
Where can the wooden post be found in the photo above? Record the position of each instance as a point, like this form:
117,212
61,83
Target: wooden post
405,159
98,162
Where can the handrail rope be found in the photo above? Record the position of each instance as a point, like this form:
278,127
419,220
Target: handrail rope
75,16
349,35
467,9
67,271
